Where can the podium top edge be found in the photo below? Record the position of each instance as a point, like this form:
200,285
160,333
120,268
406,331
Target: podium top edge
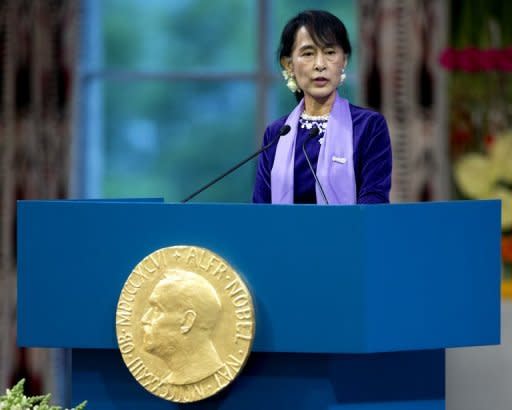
161,202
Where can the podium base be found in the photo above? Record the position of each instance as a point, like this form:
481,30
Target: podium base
382,381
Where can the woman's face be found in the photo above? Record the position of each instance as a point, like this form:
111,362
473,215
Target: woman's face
316,69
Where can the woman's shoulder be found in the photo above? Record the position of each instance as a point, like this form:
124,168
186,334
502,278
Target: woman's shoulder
369,125
275,126
367,121
364,114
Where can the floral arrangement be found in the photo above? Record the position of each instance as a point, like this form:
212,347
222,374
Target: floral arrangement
472,59
489,175
15,399
479,66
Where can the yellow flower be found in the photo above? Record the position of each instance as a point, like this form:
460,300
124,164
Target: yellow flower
481,176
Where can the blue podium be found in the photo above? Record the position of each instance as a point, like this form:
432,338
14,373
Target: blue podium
355,305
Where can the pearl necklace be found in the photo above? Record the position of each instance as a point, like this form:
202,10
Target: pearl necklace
315,117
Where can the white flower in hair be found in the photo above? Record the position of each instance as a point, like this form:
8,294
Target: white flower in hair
343,76
290,82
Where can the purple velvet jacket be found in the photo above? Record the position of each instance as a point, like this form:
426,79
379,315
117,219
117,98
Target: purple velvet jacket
372,160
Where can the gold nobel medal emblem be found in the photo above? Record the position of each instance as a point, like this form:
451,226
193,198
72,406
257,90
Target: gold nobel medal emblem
185,323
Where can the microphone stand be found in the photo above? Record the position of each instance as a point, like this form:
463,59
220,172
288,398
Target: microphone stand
284,130
312,134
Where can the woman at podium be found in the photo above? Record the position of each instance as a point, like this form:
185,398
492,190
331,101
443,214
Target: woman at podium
326,150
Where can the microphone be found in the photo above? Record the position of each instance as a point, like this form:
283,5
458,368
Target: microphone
312,134
285,129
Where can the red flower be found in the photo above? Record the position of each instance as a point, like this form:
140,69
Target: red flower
469,60
472,59
460,136
504,62
489,59
449,59
506,248
489,140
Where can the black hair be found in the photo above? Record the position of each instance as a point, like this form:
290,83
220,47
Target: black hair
323,27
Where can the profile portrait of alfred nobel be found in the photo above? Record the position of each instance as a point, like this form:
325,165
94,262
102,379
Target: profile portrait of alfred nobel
183,311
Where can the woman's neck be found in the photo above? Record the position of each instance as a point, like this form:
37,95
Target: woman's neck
318,107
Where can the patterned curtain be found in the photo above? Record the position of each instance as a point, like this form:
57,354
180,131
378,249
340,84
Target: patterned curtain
401,77
38,41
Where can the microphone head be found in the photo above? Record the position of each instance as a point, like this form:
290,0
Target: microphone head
314,132
285,129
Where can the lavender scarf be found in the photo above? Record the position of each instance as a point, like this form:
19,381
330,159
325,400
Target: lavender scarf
335,168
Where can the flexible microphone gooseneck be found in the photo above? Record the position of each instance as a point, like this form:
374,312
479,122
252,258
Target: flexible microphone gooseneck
285,129
312,134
